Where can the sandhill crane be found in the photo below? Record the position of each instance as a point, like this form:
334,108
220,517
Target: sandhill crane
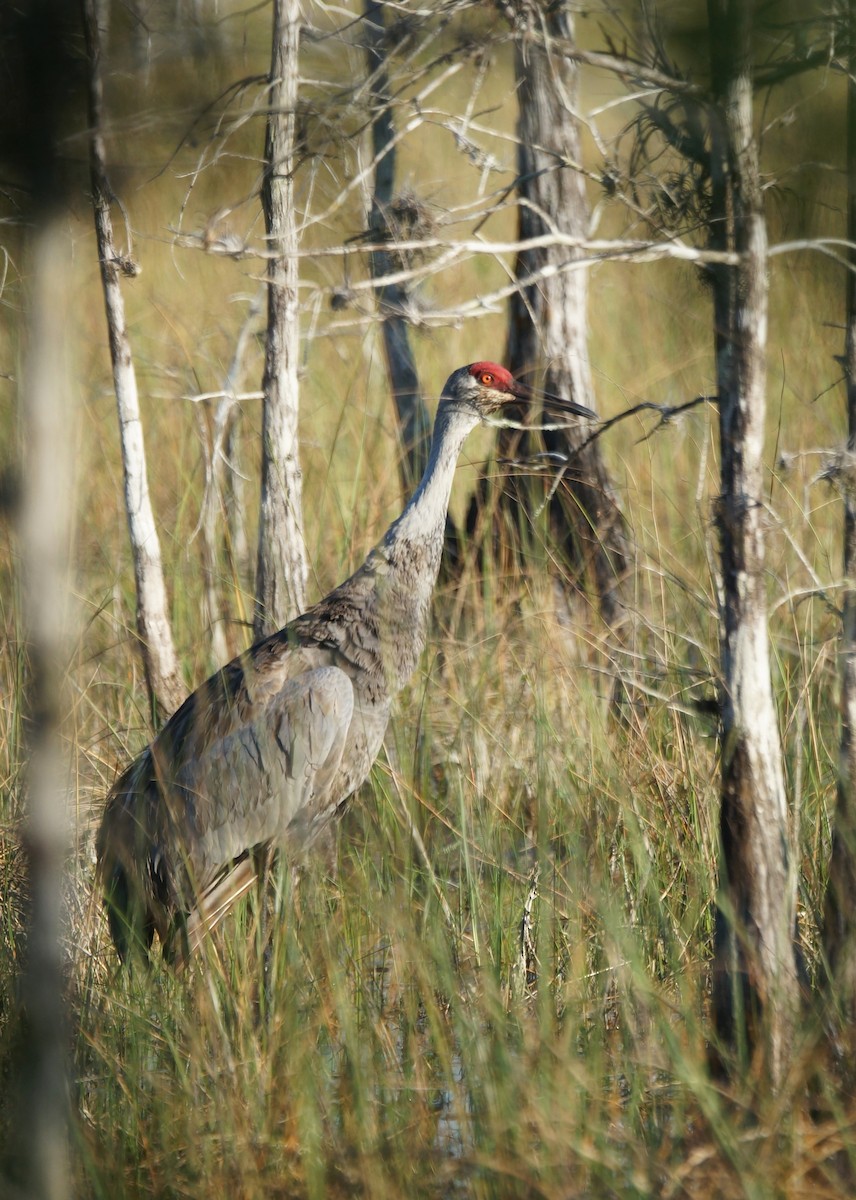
267,751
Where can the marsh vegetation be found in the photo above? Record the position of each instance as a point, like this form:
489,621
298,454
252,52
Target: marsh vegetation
390,1040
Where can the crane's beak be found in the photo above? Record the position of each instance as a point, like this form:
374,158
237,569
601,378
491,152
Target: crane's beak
521,391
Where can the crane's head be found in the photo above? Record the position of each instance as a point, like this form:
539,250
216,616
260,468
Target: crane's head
486,388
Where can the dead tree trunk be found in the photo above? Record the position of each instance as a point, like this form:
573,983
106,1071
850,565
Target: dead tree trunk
222,501
281,564
755,979
413,422
548,321
839,918
163,677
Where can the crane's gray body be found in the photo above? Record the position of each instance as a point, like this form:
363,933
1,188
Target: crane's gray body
269,749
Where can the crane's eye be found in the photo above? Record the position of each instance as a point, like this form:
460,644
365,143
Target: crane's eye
486,378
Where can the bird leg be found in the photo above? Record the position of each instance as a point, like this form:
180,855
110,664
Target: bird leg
215,903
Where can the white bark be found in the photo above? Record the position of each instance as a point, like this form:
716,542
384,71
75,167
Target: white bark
281,570
166,688
755,968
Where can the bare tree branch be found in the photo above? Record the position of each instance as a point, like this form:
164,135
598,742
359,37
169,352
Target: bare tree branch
592,250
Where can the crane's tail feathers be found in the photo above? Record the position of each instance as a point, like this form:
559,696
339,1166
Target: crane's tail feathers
214,904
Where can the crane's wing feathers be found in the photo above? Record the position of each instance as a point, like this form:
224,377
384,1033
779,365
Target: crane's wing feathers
256,774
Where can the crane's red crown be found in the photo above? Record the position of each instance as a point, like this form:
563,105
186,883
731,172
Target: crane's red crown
492,375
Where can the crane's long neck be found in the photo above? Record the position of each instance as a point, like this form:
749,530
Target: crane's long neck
424,517
413,547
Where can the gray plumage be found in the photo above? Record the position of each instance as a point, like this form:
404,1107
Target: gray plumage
268,750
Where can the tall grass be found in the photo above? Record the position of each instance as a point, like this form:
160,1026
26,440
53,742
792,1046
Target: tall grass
389,1041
